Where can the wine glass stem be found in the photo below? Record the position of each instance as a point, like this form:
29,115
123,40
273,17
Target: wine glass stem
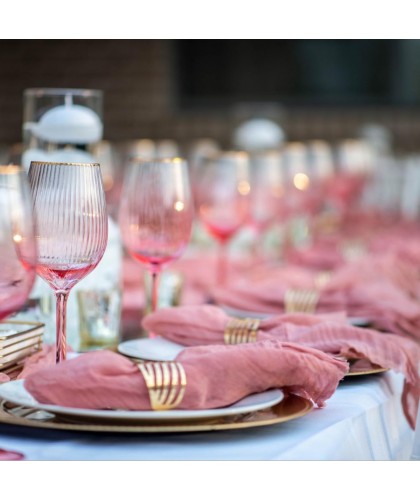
155,287
61,312
222,266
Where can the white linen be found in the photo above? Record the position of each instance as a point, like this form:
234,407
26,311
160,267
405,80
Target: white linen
362,421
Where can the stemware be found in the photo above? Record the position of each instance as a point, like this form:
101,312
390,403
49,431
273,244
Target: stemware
222,199
17,240
156,213
354,168
301,187
72,229
267,193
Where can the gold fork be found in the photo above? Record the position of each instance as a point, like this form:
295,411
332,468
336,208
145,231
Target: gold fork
301,300
166,383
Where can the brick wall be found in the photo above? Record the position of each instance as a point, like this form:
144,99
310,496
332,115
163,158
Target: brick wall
137,79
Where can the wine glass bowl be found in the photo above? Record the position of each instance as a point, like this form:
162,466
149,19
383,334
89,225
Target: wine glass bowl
72,228
156,213
17,240
223,198
268,189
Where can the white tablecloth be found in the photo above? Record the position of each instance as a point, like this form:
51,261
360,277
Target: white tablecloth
362,421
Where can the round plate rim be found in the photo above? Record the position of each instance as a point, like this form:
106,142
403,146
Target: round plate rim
304,407
151,415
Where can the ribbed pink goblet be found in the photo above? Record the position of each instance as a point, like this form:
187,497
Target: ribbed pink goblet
72,229
156,213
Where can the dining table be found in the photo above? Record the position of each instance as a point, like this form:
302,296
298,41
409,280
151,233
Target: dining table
363,420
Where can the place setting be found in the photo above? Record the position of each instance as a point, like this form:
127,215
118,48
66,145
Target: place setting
242,290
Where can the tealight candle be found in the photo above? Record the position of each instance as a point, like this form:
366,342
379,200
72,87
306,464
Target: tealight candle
69,123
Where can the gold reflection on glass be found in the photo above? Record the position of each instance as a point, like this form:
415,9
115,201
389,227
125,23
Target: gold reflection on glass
244,188
301,181
17,238
179,206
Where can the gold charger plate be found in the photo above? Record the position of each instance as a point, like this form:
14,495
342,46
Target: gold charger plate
364,370
290,408
371,371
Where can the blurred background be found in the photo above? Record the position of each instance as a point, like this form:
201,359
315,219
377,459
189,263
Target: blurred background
189,89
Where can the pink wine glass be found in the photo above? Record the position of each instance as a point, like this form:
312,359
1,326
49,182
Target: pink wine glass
17,240
267,194
223,199
72,229
156,213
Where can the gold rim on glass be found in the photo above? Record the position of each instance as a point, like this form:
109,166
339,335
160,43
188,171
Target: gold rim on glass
65,163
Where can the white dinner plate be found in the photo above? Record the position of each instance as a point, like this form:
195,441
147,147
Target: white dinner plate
239,313
154,349
16,393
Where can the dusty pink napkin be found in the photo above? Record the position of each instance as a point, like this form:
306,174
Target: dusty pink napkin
45,357
217,376
387,350
205,324
268,297
331,334
382,289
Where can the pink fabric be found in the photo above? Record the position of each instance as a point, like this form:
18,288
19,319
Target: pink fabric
328,333
269,297
205,324
384,349
45,357
198,274
103,379
11,455
381,288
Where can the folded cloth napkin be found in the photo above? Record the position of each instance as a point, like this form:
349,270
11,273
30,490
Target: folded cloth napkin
382,289
41,359
386,306
328,333
387,350
271,297
206,324
324,255
216,376
45,357
374,268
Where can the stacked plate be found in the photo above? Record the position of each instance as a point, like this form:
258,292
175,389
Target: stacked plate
18,340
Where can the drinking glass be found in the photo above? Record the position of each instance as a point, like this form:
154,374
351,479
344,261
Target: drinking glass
156,213
354,162
267,194
222,199
61,124
72,229
17,240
